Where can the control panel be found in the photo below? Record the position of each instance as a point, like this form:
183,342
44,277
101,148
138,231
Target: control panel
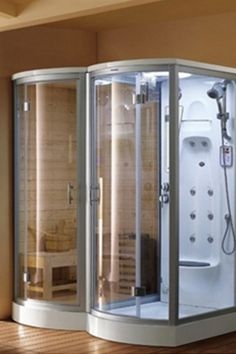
226,155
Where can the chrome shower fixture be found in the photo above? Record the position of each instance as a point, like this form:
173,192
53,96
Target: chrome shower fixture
218,92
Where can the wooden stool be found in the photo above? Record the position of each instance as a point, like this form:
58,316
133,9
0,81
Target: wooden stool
47,261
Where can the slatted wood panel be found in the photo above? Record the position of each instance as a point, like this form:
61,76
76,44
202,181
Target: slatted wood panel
17,339
48,162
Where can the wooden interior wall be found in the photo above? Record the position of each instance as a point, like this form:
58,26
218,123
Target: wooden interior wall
48,164
58,155
48,157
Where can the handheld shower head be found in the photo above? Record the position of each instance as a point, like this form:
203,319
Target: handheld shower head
217,91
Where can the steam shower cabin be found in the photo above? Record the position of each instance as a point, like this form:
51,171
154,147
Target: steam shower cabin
125,200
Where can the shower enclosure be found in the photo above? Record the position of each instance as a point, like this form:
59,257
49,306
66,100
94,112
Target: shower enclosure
136,207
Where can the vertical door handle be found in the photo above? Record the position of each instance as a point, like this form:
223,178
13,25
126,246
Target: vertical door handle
70,187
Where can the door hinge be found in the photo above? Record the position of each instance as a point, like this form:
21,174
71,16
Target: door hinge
140,98
94,194
164,196
26,106
138,291
26,277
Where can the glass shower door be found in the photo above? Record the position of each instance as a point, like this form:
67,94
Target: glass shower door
125,195
47,249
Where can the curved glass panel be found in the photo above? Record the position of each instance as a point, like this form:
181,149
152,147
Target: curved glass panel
47,191
131,259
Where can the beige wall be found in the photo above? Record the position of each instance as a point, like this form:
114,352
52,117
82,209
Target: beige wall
25,50
6,254
40,47
209,39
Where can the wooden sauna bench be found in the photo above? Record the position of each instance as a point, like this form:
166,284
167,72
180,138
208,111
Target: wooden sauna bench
47,261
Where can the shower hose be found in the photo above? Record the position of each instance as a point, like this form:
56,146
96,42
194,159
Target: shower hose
228,217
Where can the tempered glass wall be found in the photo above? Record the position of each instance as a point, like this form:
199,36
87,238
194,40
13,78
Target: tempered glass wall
47,190
127,185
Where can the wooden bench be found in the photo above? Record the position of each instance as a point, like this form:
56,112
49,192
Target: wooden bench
47,261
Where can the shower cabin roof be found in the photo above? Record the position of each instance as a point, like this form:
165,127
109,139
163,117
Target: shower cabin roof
33,73
117,66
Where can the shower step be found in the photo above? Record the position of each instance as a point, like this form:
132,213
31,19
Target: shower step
193,264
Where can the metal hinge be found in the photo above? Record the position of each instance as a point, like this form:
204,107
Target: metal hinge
164,197
138,291
26,277
94,194
140,98
26,106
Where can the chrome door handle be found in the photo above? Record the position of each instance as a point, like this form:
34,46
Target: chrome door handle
70,187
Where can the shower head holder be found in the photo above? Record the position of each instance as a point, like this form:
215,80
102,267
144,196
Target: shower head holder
224,116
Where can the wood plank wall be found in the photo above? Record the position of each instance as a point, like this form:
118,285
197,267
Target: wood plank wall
48,163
